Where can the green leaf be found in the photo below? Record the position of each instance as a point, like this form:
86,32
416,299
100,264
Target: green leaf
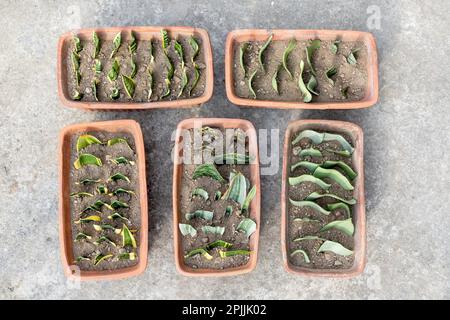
127,256
97,66
117,215
165,41
77,44
150,50
93,218
293,181
308,238
132,45
345,226
127,237
201,251
117,41
119,176
184,81
77,95
305,255
251,194
261,51
103,227
100,258
312,84
315,195
335,47
286,53
315,44
340,205
307,97
75,58
217,195
237,189
96,44
335,247
214,230
201,193
104,239
113,73
122,160
342,165
133,68
78,77
195,48
344,92
87,159
334,175
117,140
149,84
225,254
180,52
319,137
344,153
248,226
203,214
82,236
353,57
219,244
116,204
232,158
306,220
86,140
95,84
207,170
242,50
187,229
330,73
309,204
98,205
81,194
119,191
250,84
82,258
87,181
275,79
228,211
129,85
306,164
196,78
310,152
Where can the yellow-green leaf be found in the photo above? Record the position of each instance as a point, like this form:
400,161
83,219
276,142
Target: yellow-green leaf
86,140
129,85
87,159
100,257
127,237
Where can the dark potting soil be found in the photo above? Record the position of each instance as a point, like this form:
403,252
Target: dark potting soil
190,204
86,247
297,229
142,59
352,76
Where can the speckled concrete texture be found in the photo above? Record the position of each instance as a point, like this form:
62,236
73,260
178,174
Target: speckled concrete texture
406,149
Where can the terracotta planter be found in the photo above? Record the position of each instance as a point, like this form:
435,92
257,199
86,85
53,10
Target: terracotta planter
239,36
65,229
143,33
359,214
254,180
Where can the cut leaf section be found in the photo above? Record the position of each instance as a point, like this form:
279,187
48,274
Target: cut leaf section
303,252
85,140
187,229
87,159
203,214
248,226
345,226
213,230
309,204
290,47
200,192
207,170
334,175
335,247
315,195
127,237
293,181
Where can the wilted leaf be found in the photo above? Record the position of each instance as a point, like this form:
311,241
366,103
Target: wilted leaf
330,73
87,159
275,79
293,181
251,194
96,44
334,175
77,95
315,44
305,255
335,47
100,257
340,205
286,53
353,57
345,226
81,194
195,48
184,81
225,254
97,66
127,256
201,251
87,181
315,195
95,84
250,84
196,78
133,68
242,50
77,44
261,51
312,84
94,218
307,97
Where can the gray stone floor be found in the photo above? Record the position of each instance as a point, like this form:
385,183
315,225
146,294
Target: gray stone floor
406,150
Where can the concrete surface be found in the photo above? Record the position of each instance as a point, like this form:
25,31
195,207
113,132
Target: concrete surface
406,150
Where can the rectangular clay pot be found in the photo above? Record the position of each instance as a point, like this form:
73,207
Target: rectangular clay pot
239,36
143,33
358,212
255,207
65,228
